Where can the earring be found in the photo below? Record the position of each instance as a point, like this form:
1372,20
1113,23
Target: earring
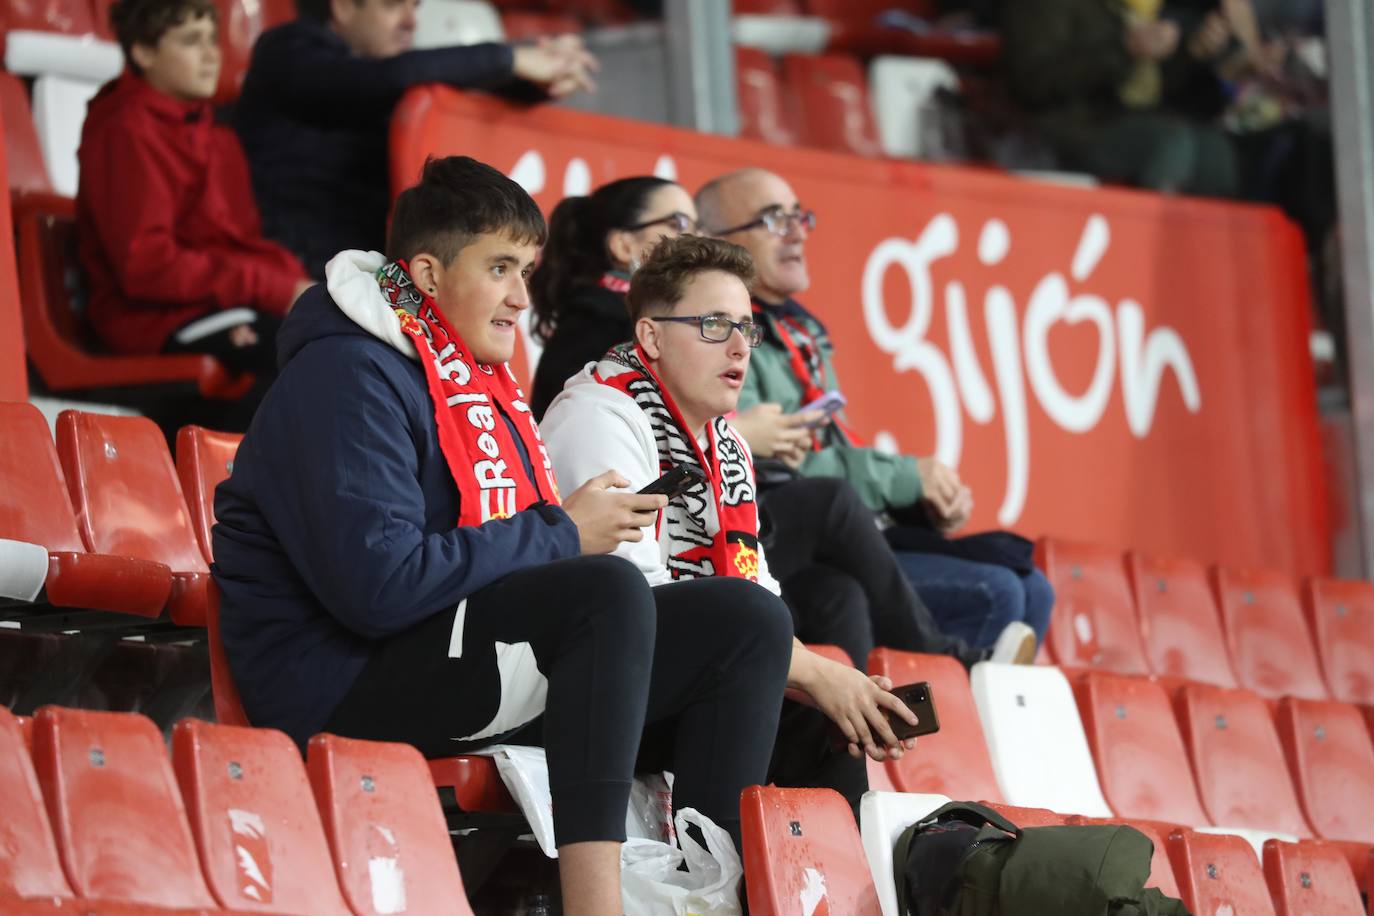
432,290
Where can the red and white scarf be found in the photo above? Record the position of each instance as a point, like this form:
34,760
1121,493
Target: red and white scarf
693,553
469,398
805,357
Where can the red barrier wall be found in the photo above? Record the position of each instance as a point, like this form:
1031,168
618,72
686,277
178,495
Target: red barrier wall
1107,365
14,379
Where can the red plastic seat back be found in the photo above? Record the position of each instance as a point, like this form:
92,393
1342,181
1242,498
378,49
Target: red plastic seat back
125,491
68,17
30,866
228,706
802,854
1094,623
47,249
381,814
1161,871
1265,631
831,92
954,761
116,813
1141,761
23,156
767,7
1219,874
1179,622
254,819
765,112
1331,757
205,459
1341,616
521,25
34,505
1238,763
1310,878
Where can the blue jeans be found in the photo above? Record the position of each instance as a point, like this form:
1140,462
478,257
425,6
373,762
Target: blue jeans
975,601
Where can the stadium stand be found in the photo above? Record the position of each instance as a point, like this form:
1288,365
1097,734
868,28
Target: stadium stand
1218,874
23,156
1270,645
1341,615
831,97
1094,623
204,459
802,853
765,112
1179,623
30,869
1310,877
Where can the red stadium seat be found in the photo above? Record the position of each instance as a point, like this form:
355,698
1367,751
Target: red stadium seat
205,459
128,501
1310,877
1141,761
1269,642
801,846
831,91
1178,620
254,820
1331,757
35,508
1094,623
67,17
30,867
594,12
391,848
1161,871
117,816
60,346
1218,873
1341,615
1238,761
767,7
228,706
765,113
23,156
954,761
521,25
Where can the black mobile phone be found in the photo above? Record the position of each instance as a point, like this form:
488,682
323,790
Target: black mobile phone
918,699
677,481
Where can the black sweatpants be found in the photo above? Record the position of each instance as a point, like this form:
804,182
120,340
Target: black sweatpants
840,578
210,334
702,663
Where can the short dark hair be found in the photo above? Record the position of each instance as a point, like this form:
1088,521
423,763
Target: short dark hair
318,10
458,199
661,281
144,22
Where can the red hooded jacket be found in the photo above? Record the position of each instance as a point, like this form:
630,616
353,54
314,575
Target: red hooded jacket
167,228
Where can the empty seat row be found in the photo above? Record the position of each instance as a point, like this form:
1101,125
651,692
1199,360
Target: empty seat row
807,99
1178,620
234,820
802,853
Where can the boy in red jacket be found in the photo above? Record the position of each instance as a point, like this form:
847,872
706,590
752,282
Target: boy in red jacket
167,228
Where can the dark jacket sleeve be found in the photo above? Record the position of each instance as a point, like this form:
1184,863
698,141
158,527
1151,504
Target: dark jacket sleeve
346,503
317,79
1062,52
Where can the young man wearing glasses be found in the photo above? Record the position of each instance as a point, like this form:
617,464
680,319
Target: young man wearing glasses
975,587
658,403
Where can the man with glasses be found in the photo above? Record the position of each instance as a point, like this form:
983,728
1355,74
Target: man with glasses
975,587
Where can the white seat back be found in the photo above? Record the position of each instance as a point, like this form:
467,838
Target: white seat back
901,90
444,23
1035,737
59,110
882,818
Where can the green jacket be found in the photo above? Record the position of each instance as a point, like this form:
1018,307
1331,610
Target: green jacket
883,481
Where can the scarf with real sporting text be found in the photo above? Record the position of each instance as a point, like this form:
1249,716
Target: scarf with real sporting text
692,552
804,355
469,399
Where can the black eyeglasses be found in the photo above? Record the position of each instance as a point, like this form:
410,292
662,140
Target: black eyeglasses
678,221
718,328
777,221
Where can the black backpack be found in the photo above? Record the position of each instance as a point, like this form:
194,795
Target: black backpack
968,860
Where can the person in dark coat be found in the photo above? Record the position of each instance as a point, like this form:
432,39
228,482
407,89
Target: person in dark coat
315,110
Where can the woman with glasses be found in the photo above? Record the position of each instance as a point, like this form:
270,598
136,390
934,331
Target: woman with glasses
578,290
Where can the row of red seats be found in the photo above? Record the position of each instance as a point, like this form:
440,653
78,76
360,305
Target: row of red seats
1178,620
98,817
792,837
807,99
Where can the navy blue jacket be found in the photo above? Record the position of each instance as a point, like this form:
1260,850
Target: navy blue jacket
315,120
337,527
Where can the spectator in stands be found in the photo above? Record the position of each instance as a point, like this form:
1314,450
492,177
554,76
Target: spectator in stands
394,562
839,579
315,111
166,226
1123,90
657,403
974,586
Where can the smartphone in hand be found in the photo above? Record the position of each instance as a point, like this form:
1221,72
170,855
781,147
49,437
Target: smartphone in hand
675,482
918,699
827,403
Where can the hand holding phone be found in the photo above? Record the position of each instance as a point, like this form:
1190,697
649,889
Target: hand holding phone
918,699
678,480
827,404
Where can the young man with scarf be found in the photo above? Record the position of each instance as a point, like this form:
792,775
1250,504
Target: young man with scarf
658,403
395,563
975,586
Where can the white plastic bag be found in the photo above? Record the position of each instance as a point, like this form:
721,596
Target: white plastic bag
652,885
650,814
